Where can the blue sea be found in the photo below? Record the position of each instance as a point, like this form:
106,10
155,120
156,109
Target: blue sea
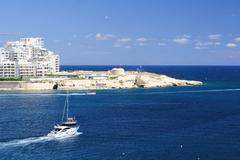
171,123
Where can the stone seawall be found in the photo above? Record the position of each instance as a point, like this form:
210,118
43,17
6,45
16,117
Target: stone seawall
9,85
21,85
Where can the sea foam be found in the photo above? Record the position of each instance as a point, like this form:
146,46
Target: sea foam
32,140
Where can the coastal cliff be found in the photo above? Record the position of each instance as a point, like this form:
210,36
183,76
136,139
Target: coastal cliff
89,80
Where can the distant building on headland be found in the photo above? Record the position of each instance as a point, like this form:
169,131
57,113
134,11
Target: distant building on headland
27,58
118,71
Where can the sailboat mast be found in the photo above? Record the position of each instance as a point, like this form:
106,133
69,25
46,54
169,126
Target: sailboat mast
64,109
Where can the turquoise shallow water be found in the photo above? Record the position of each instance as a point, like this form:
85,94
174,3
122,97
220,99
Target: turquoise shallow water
200,122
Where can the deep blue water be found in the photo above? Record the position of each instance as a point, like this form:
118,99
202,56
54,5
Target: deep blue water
172,123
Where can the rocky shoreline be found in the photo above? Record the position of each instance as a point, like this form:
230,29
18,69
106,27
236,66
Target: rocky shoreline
101,80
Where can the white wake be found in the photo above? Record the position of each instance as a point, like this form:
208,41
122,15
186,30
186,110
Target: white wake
24,142
32,140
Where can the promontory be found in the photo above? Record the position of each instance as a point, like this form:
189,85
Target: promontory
117,78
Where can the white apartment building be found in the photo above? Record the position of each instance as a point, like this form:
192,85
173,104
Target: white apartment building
27,58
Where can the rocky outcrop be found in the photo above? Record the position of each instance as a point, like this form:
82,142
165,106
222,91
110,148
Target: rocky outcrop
154,80
129,80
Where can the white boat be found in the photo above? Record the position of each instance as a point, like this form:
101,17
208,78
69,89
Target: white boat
90,93
67,128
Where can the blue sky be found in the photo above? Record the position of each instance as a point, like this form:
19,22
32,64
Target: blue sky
146,32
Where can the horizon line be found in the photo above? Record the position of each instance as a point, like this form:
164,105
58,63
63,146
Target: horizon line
225,65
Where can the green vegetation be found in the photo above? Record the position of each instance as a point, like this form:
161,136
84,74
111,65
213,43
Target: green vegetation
75,77
113,78
52,75
10,79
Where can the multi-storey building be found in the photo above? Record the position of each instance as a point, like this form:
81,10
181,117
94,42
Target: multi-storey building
27,58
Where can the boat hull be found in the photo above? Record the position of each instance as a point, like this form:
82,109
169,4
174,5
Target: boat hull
64,134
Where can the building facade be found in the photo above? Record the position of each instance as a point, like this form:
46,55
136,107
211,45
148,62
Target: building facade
27,58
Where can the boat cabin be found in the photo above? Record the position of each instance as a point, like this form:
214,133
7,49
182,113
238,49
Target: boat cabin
70,122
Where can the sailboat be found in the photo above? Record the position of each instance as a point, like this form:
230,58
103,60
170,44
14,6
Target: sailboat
68,126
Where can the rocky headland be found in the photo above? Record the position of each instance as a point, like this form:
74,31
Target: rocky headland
116,78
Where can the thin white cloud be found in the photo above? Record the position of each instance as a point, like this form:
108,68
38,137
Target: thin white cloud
128,42
231,45
74,36
205,45
186,36
128,46
90,35
69,44
162,44
57,41
117,45
140,44
106,17
123,45
141,39
124,40
182,40
214,36
200,47
237,39
97,52
103,37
